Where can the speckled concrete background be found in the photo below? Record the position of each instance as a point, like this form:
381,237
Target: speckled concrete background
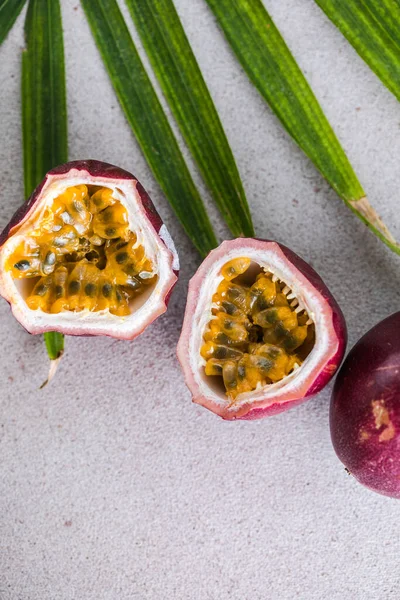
113,486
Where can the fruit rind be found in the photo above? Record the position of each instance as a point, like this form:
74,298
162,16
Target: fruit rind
365,409
141,212
307,286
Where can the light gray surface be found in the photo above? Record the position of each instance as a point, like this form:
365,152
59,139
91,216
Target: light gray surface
113,486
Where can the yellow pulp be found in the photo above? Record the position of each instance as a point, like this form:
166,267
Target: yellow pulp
256,336
82,255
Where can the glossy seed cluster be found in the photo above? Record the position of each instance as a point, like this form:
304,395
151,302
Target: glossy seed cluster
82,255
258,332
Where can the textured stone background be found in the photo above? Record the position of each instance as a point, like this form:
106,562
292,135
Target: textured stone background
113,486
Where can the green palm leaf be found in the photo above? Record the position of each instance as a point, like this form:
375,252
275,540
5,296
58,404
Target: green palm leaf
271,67
175,65
9,11
373,28
147,119
44,110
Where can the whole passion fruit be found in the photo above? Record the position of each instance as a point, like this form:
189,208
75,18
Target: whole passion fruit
261,331
365,409
87,254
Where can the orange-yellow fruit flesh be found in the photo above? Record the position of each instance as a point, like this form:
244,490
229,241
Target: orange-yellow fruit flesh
255,337
235,267
83,255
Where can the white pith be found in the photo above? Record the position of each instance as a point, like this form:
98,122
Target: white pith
162,255
273,260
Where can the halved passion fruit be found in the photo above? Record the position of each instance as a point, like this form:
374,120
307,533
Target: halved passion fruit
87,254
261,331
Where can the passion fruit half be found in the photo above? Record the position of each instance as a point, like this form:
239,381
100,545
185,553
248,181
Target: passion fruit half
261,331
87,254
365,409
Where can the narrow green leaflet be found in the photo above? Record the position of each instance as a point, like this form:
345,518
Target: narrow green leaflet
270,65
373,28
147,119
9,11
183,85
44,110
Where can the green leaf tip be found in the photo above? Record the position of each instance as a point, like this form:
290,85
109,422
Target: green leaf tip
9,11
373,28
273,70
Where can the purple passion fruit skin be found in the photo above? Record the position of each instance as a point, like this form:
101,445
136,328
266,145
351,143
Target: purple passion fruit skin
365,409
87,254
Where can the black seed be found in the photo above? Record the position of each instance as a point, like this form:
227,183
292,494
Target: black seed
102,263
261,303
272,316
229,308
133,283
280,329
92,256
233,293
228,324
241,371
118,295
290,343
130,269
41,289
72,257
264,364
220,352
74,287
255,333
273,352
59,291
84,243
121,257
120,245
106,290
222,338
110,231
230,382
90,289
22,265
